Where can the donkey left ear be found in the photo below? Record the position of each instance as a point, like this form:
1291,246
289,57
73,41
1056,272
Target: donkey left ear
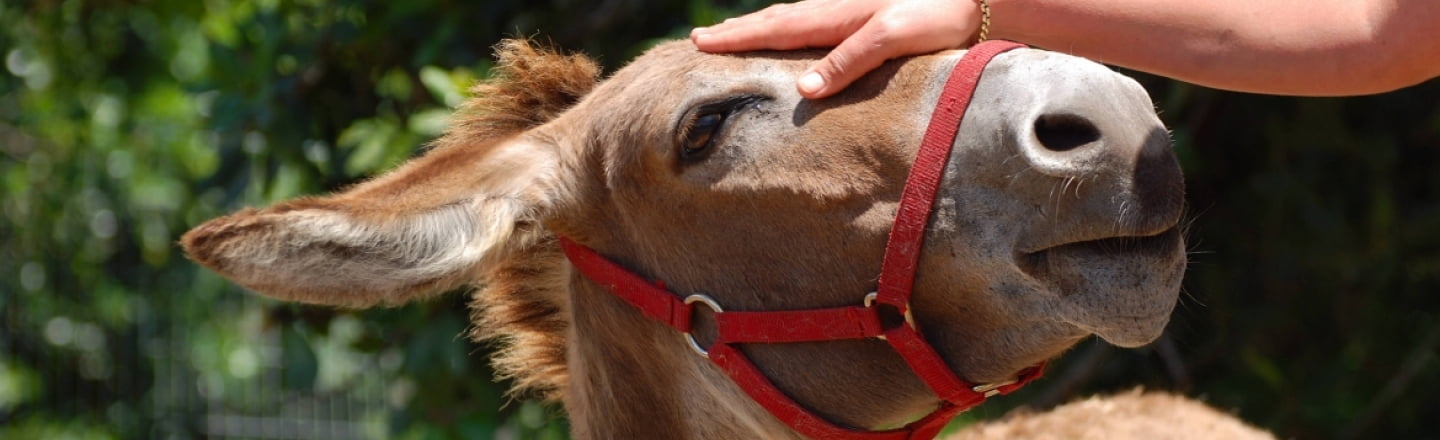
427,227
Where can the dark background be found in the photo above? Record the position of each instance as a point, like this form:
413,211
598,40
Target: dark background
1310,307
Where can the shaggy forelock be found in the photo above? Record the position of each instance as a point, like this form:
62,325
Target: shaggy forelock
529,86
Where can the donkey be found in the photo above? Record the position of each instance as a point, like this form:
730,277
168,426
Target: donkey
708,179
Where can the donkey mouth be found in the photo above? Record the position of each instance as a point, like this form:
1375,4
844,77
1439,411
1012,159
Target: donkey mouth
1161,246
1121,288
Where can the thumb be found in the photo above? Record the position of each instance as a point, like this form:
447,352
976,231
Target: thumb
862,52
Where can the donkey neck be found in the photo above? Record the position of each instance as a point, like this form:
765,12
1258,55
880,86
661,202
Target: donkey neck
634,378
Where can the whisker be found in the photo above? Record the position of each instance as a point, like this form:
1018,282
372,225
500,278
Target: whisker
1185,293
1055,199
1016,176
1120,218
1008,159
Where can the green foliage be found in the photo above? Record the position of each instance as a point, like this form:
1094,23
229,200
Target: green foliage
1309,307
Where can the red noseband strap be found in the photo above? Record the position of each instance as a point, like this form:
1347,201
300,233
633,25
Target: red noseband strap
859,321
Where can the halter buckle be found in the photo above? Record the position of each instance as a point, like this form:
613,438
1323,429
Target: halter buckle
690,338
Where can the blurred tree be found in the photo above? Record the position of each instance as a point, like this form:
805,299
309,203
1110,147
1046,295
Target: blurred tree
1309,308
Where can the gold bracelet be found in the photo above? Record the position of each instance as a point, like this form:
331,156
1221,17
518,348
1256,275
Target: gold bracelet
984,21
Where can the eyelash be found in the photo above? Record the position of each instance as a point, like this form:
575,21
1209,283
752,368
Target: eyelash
691,149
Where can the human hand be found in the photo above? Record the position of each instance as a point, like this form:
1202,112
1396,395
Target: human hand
864,34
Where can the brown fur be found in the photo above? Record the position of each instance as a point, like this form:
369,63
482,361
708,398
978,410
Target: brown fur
521,307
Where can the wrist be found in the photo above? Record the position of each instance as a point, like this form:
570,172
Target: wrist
1012,20
983,33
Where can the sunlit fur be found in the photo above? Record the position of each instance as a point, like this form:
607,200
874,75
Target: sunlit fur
1130,415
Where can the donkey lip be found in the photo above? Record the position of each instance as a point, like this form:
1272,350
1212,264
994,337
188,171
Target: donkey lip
1159,246
1149,232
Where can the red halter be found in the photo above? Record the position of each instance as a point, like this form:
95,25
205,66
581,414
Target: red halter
860,321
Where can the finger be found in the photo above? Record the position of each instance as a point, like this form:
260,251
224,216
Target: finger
853,58
769,13
779,34
738,33
794,27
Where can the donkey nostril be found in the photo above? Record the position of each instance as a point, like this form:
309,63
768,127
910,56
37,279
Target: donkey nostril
1064,131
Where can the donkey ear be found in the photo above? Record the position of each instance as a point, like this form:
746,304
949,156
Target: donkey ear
424,228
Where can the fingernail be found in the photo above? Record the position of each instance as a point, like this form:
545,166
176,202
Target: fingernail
811,83
699,30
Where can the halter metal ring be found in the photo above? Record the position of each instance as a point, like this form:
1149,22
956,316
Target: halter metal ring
991,389
909,318
708,302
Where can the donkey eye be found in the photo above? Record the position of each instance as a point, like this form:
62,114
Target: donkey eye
701,134
706,125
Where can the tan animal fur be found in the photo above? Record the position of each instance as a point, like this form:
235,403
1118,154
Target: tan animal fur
1130,415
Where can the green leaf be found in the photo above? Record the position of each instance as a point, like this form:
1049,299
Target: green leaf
368,140
18,385
198,155
442,85
299,360
288,181
395,84
431,122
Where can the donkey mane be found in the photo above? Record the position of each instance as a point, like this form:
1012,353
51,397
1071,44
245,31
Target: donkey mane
520,306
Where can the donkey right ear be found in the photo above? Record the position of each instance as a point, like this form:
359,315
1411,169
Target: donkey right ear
424,228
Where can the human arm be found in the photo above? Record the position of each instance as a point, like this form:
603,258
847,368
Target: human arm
1291,47
1285,47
